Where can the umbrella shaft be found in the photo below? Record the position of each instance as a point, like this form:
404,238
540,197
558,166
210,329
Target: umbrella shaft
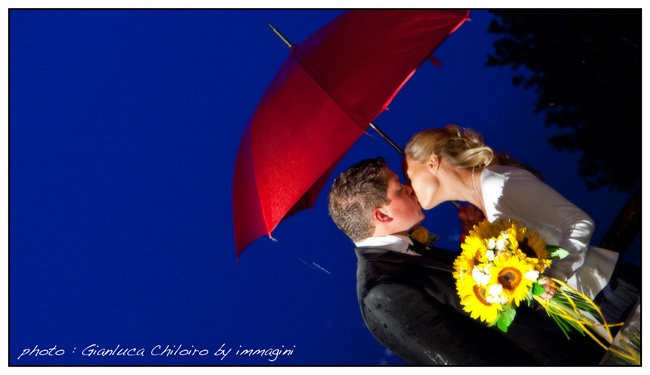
386,138
287,42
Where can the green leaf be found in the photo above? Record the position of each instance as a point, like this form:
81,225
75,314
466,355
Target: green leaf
505,318
538,290
557,252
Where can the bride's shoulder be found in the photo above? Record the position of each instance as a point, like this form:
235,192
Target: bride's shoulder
505,172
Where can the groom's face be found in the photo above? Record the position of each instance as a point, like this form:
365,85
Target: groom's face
403,208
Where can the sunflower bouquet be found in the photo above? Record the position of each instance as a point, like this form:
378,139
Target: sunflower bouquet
502,265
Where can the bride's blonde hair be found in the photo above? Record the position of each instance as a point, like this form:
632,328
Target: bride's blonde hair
462,148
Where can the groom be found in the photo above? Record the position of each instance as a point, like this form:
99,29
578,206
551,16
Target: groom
407,294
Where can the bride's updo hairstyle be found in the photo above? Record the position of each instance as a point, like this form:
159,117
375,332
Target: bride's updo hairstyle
460,147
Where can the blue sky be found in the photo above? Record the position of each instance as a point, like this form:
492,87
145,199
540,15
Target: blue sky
124,127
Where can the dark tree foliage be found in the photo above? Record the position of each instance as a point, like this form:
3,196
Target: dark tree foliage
585,64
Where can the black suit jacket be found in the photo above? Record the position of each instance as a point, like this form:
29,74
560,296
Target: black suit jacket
410,305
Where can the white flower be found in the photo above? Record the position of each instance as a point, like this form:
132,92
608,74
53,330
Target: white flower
491,243
495,290
481,277
502,242
495,294
532,275
489,254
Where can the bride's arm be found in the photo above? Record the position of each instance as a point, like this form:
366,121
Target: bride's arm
526,198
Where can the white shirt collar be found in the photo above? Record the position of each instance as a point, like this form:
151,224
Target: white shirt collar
397,243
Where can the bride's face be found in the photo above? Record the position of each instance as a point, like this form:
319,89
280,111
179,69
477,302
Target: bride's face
424,181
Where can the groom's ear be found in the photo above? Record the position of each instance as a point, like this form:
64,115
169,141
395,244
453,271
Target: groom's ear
379,214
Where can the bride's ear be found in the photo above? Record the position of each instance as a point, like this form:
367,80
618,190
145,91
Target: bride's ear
434,163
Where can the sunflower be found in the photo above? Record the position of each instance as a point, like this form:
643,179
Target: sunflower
473,254
473,298
487,229
513,273
532,248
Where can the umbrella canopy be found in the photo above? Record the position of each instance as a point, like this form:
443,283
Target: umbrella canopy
323,98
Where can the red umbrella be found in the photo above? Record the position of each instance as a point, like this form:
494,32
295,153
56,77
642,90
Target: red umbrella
323,98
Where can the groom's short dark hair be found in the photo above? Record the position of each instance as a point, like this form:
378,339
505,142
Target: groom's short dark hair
354,195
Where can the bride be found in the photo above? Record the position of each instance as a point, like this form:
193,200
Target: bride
454,164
